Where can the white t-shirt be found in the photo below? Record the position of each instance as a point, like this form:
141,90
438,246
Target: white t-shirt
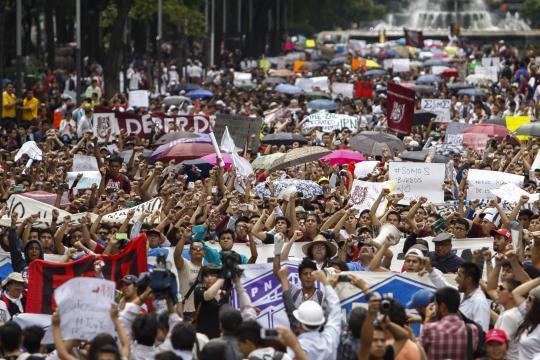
528,343
187,274
509,321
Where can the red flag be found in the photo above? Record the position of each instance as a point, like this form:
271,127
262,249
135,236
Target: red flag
44,277
400,108
363,90
414,38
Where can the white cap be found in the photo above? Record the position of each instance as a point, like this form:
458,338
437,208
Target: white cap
414,143
173,107
309,313
220,102
415,252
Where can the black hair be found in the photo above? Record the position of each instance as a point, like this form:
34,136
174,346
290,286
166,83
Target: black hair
365,211
525,212
340,264
250,330
463,222
392,212
163,320
306,264
473,271
214,350
317,218
183,336
227,231
356,321
284,219
397,313
144,329
10,336
167,355
448,296
242,219
229,319
32,336
435,215
117,159
102,342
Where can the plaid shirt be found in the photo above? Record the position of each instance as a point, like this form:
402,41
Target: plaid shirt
447,339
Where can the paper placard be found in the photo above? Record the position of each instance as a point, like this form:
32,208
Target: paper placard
440,107
120,216
491,61
330,121
364,194
345,89
84,305
304,83
84,163
455,139
364,168
88,179
511,193
481,182
455,127
320,83
241,78
31,150
418,179
491,72
401,65
138,98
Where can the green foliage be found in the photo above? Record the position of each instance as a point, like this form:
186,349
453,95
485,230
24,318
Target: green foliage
531,11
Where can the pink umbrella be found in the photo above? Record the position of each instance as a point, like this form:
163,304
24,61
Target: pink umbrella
184,151
488,129
341,157
211,159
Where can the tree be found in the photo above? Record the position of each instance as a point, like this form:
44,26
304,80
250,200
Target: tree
531,11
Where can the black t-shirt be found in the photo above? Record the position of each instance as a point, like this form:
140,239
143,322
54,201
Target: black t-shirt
208,314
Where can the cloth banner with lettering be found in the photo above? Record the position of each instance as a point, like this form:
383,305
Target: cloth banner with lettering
145,125
331,121
119,216
44,277
418,179
363,89
481,182
400,108
84,305
414,38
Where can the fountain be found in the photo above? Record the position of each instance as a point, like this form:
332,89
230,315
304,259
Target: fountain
440,14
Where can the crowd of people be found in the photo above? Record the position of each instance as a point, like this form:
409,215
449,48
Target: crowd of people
483,307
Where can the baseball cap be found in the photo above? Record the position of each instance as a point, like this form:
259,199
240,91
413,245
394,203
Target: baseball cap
415,252
420,299
497,335
129,279
154,231
502,232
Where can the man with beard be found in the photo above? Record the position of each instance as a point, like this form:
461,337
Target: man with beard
443,258
501,239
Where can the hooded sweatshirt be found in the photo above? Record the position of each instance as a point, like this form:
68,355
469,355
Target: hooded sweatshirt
18,262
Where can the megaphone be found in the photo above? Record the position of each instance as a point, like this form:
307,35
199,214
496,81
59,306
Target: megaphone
388,231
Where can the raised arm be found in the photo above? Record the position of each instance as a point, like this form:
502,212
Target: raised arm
375,263
520,293
373,211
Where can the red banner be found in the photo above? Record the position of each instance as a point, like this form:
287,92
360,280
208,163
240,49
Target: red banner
400,108
44,277
363,90
414,38
143,125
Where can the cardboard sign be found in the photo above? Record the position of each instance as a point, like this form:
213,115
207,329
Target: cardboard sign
365,193
344,89
241,128
143,125
491,72
401,65
88,179
418,179
120,215
513,122
84,163
84,305
138,98
511,193
481,182
241,78
330,121
440,107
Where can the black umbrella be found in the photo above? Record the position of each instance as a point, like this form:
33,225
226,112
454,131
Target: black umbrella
422,117
373,142
283,139
424,89
420,156
459,85
497,121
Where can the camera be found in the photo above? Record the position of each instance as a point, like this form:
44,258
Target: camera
229,268
163,281
386,305
342,172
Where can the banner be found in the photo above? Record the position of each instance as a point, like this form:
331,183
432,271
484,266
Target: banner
365,193
344,89
481,182
363,89
330,121
440,107
414,38
513,122
400,108
241,128
143,125
84,306
418,179
45,277
119,216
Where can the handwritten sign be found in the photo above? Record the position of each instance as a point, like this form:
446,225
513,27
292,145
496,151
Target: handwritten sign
364,168
120,216
330,121
441,107
364,194
481,182
455,139
511,193
84,305
418,179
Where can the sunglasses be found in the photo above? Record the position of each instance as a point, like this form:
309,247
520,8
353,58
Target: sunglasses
196,248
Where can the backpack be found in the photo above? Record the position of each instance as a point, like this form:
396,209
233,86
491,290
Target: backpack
481,348
278,355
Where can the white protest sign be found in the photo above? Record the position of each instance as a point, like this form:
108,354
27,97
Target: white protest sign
120,216
491,61
304,84
364,168
401,65
84,305
440,107
138,98
365,193
84,163
511,193
418,179
481,182
320,83
241,78
88,179
31,150
345,89
330,121
455,139
490,72
388,63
